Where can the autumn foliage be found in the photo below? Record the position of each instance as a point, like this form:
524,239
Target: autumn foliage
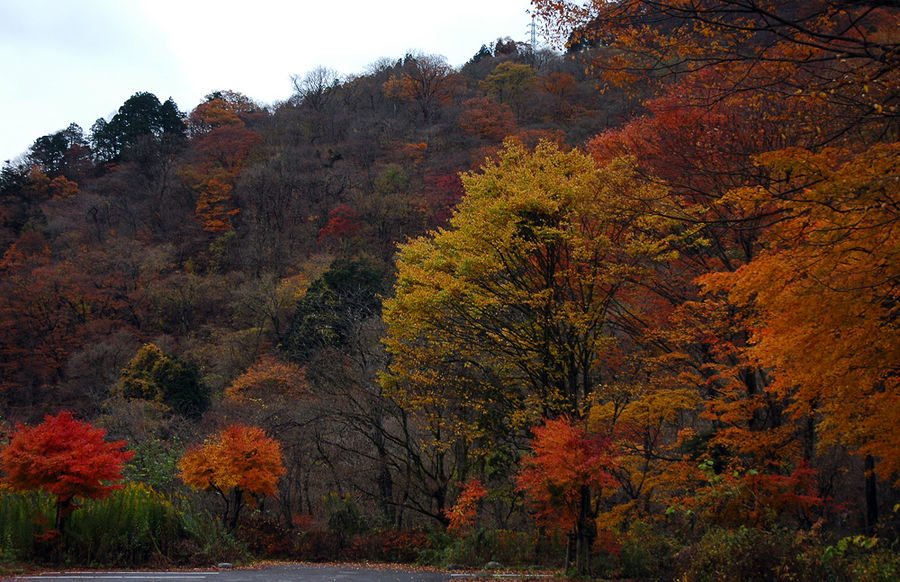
65,457
343,223
236,457
235,460
824,294
425,82
267,380
223,144
644,292
464,512
565,461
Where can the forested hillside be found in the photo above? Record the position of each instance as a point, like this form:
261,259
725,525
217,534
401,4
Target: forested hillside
633,306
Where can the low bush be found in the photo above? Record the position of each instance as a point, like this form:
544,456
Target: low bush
267,537
781,554
318,546
510,548
345,519
746,554
133,526
207,540
647,552
26,522
861,558
401,547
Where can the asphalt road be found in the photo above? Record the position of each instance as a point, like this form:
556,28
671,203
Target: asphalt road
280,573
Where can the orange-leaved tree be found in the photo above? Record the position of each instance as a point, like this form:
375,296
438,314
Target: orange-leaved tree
267,380
464,512
425,81
221,145
824,297
236,460
837,58
65,457
564,479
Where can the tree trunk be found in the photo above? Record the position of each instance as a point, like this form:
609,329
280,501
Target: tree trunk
871,495
384,480
585,533
386,490
235,509
64,509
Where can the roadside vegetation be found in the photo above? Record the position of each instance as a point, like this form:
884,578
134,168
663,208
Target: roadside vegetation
630,311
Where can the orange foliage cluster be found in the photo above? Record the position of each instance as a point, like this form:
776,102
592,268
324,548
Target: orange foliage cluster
485,117
463,513
238,457
772,334
268,378
223,144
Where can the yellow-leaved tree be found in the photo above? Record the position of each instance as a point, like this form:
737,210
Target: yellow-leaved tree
503,318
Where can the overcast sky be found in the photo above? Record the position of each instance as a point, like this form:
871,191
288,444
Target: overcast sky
66,61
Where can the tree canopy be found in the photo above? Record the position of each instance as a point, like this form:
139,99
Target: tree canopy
236,460
65,457
638,299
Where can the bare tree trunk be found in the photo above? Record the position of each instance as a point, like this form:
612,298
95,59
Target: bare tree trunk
570,552
238,502
585,533
871,495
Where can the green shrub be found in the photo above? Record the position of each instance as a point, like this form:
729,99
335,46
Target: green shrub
208,541
745,554
796,555
510,548
345,520
25,520
647,552
434,554
132,526
155,463
879,566
861,558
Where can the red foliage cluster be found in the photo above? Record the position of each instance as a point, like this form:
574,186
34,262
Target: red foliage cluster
343,223
566,459
65,457
752,497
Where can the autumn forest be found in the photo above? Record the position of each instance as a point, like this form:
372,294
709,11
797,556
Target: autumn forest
628,309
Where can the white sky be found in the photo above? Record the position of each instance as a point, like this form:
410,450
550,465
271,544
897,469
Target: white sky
65,61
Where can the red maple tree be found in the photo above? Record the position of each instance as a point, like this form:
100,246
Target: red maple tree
65,457
563,480
463,513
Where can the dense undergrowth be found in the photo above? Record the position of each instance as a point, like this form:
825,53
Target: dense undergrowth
138,527
646,292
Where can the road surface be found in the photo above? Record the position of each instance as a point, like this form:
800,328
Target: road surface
279,573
